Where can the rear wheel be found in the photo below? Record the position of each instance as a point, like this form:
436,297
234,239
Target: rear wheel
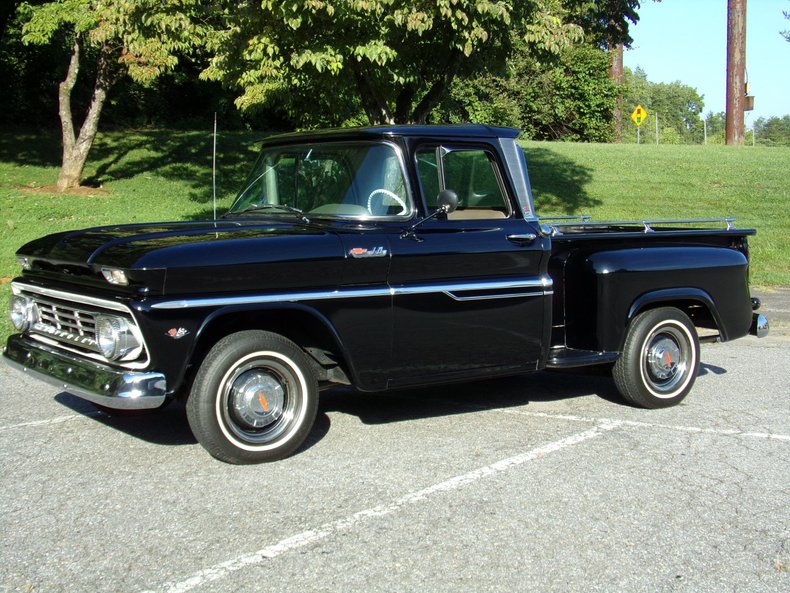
660,359
254,398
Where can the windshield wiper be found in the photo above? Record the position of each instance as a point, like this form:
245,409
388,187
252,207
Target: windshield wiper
284,207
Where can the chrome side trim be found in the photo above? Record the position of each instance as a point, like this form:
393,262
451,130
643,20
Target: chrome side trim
273,298
514,295
544,284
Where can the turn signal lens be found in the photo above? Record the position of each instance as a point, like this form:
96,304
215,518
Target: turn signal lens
115,276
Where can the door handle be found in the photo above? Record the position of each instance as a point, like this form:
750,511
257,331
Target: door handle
524,239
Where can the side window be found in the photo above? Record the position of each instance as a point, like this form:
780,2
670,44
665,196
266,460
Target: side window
471,173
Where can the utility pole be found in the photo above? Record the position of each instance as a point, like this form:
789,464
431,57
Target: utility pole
736,71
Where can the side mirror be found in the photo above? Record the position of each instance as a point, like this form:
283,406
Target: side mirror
447,201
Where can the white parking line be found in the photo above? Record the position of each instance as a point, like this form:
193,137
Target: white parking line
58,420
680,428
591,420
308,537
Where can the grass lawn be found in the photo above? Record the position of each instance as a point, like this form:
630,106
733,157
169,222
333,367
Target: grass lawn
166,175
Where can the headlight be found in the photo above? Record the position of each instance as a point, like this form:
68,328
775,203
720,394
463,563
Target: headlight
22,312
115,337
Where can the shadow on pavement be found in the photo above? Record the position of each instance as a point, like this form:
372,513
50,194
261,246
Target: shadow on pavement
470,397
169,426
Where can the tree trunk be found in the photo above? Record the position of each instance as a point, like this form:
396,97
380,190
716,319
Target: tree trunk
374,104
75,149
616,74
438,89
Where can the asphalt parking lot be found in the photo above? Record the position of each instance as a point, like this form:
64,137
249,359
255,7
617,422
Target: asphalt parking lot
541,483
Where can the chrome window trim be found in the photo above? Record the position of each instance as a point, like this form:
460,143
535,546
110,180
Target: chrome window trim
19,288
544,285
516,165
445,148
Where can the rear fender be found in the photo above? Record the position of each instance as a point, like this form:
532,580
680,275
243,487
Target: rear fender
684,298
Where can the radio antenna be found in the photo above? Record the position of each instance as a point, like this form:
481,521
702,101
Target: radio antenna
214,171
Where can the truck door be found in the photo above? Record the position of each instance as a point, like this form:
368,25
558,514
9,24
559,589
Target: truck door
470,291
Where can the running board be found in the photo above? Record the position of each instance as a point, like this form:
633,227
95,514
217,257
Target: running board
566,358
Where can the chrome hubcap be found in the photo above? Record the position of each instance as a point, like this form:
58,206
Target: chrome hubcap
663,357
257,398
666,359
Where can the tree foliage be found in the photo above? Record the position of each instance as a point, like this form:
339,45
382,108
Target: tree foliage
773,131
569,97
398,56
605,22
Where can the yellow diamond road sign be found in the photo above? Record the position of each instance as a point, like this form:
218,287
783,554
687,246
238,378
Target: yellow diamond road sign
639,115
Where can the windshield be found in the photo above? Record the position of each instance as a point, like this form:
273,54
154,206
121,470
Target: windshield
361,180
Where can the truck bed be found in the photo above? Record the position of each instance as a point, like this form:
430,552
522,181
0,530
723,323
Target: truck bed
600,273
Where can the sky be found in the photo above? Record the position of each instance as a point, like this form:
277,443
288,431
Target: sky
686,41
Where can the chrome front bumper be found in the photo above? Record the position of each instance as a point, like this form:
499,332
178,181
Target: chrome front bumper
97,383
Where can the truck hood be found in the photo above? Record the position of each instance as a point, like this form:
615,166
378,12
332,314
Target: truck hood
195,254
146,245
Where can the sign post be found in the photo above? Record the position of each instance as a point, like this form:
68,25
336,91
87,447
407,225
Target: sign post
639,116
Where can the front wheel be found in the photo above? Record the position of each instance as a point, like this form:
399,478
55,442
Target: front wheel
254,398
660,359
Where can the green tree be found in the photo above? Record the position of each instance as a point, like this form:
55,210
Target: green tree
773,131
569,97
399,56
141,38
605,22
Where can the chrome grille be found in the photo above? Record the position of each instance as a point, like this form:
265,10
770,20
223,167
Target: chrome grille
66,324
67,321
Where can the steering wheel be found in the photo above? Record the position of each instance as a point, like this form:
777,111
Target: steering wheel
387,193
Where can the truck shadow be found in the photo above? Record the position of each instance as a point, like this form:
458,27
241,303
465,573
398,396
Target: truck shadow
169,426
470,397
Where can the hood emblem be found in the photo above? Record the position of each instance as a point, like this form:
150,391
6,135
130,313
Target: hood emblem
361,252
177,332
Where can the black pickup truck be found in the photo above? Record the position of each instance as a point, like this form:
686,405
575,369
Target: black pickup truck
381,258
